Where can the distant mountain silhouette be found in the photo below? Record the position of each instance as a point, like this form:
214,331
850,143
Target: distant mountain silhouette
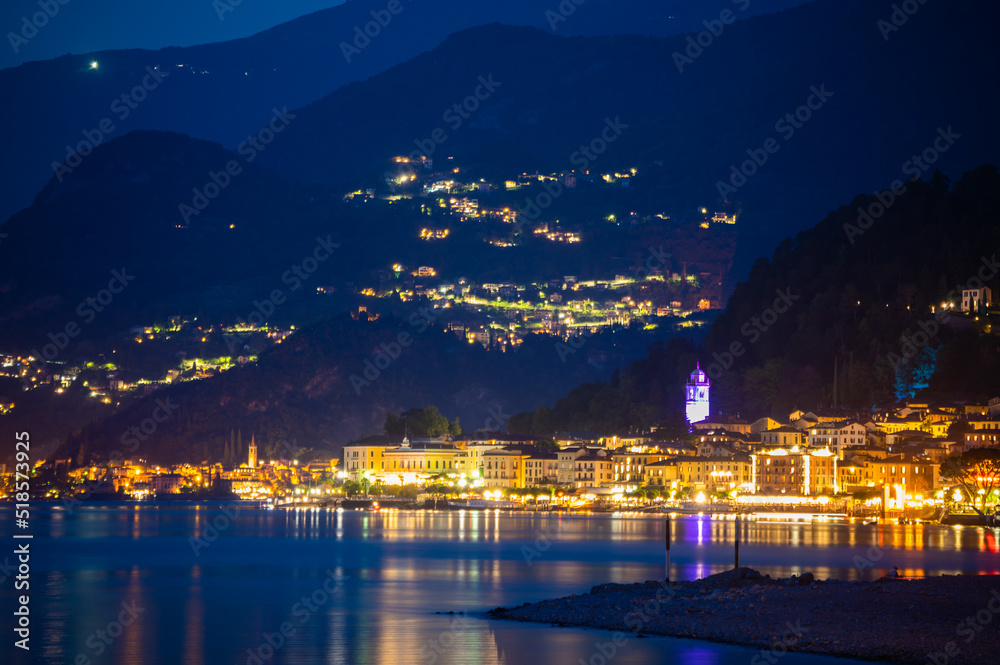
120,211
860,292
223,92
856,305
198,230
324,387
881,102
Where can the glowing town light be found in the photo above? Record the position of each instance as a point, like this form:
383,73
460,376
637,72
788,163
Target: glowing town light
93,64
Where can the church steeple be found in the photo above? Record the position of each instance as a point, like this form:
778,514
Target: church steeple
696,406
252,455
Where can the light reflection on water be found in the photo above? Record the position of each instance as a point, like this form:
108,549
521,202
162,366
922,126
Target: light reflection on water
397,568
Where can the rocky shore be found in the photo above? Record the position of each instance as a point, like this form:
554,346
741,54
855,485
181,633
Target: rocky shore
948,620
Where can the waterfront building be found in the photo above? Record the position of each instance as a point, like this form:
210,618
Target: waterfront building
914,474
504,469
422,457
837,436
541,468
662,474
593,469
795,471
784,436
629,465
365,455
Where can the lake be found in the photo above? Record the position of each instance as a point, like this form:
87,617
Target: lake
207,584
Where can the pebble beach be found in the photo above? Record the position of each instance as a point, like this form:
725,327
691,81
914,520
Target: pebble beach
939,621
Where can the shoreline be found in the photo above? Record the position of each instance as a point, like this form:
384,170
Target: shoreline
949,620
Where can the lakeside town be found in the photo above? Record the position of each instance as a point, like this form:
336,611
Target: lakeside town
901,465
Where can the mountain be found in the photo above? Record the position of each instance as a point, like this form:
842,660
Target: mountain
862,292
864,296
336,381
157,224
684,125
226,91
114,230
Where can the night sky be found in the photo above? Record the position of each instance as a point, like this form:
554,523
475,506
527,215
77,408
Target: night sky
83,27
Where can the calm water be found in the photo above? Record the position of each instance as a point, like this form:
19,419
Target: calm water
389,573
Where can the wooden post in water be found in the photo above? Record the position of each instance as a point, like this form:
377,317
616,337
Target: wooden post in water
737,540
667,539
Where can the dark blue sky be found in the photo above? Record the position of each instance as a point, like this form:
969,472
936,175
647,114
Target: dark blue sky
82,26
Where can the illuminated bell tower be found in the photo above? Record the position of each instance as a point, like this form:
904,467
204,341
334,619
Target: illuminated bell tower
696,407
252,460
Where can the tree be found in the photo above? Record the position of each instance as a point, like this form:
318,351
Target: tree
957,430
541,422
420,422
978,471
